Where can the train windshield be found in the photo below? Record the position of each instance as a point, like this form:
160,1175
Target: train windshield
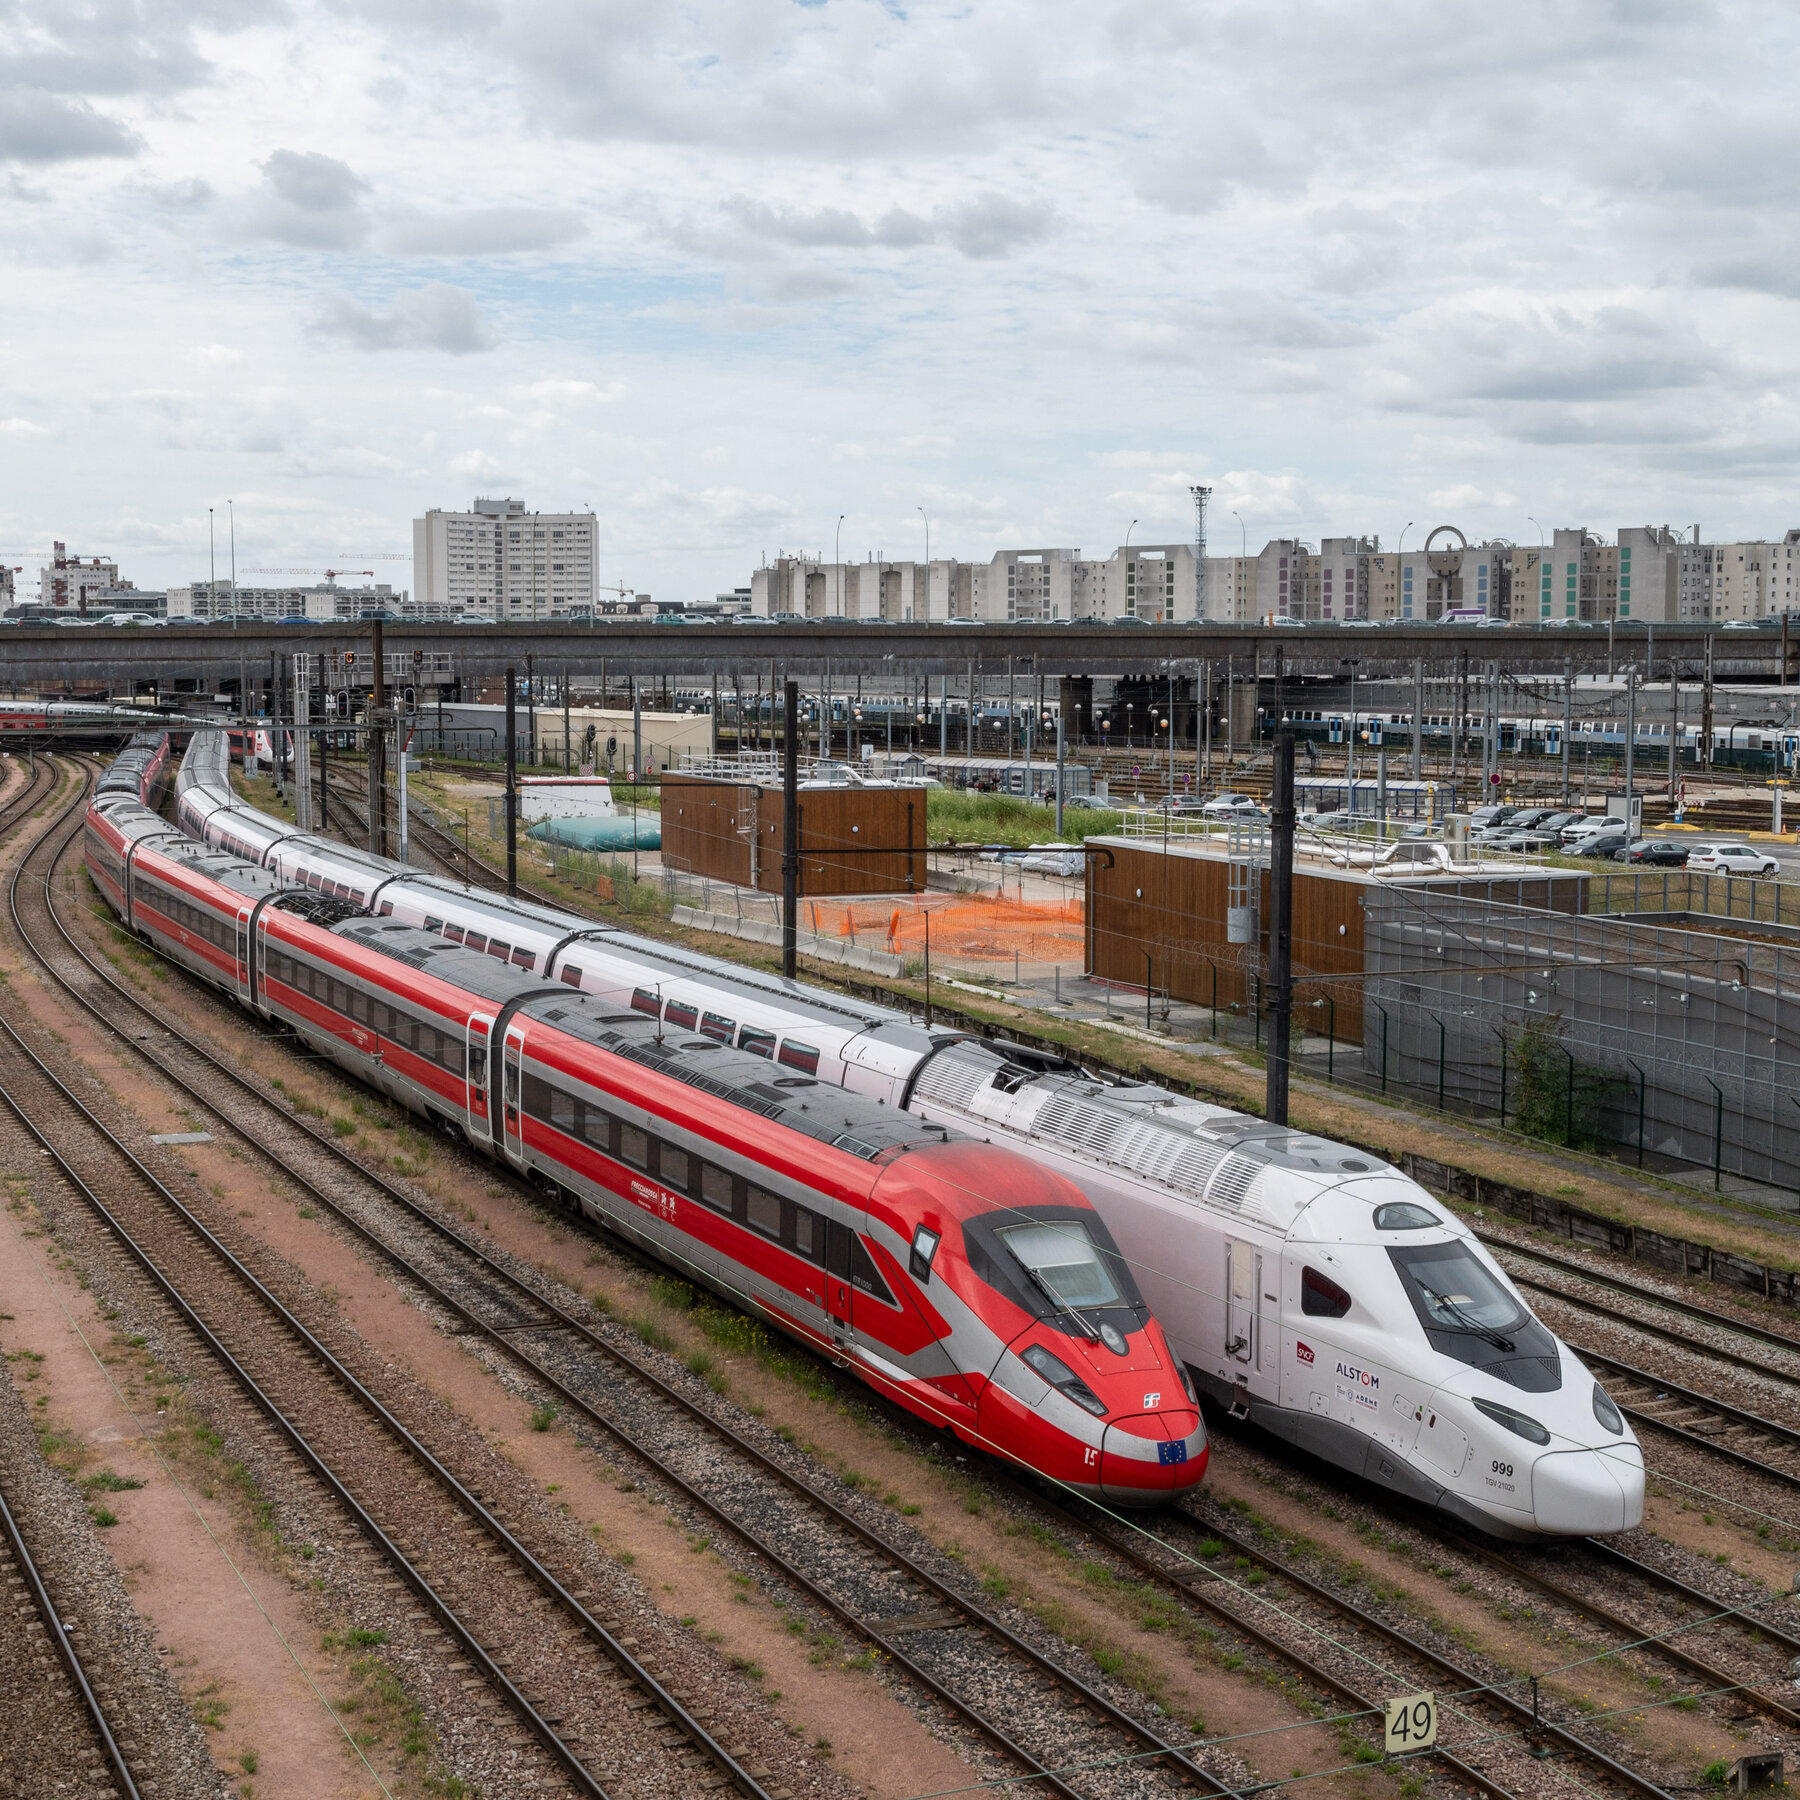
1468,1314
1065,1260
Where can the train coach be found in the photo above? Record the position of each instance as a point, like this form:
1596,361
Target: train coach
1431,1376
961,1279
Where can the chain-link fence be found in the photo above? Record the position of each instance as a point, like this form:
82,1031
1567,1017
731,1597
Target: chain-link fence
1590,1028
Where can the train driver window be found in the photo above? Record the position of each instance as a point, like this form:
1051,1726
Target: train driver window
1321,1297
715,1188
672,1167
716,1025
634,1147
924,1249
758,1043
765,1212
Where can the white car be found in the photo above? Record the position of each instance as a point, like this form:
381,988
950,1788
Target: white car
1592,826
1232,806
130,618
1732,859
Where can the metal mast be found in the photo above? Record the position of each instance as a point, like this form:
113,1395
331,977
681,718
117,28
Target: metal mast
1201,496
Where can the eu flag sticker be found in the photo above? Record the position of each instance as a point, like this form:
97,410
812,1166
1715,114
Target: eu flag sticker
1174,1451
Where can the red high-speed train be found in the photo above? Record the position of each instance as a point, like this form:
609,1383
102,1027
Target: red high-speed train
976,1288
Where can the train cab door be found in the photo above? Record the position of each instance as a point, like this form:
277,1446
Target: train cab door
840,1291
1243,1279
479,1130
512,1097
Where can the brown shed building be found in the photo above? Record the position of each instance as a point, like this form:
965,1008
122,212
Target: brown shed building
1157,918
731,831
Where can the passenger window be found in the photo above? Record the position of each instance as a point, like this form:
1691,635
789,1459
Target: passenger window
571,976
597,1128
1321,1297
497,947
475,940
800,1056
715,1187
672,1167
562,1110
432,924
809,1240
525,959
714,1025
454,933
634,1147
765,1212
645,1001
758,1043
678,1013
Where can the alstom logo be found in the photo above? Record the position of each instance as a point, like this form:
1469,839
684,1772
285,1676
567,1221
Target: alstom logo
1303,1352
1362,1377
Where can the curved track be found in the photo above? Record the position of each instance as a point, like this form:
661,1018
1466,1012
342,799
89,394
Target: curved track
403,1499
889,1597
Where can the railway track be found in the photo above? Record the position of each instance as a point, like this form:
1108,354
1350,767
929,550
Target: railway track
1039,1712
57,1727
562,1674
907,1637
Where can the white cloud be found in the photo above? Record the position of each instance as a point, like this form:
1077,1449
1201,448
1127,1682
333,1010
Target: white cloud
434,317
730,271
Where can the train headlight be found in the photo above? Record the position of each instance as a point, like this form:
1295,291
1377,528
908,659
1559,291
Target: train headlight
1607,1414
1522,1423
1061,1377
1110,1336
1187,1382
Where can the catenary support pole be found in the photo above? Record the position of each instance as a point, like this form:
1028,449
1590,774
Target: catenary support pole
377,745
1061,771
303,820
1418,747
512,783
1281,918
1568,721
790,825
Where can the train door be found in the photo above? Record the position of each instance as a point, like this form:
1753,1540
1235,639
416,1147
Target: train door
1243,1279
243,956
511,1099
840,1293
479,1130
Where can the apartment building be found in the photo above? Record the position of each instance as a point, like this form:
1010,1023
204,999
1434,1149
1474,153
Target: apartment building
1153,582
324,603
503,561
67,584
1751,580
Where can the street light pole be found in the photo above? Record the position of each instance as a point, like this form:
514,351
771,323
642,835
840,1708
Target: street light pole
1540,580
1243,542
927,619
837,553
1399,558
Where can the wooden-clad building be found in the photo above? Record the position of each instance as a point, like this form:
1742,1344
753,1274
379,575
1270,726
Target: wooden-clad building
1156,918
731,831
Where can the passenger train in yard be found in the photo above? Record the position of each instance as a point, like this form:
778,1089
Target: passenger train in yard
1741,743
963,1280
1303,1284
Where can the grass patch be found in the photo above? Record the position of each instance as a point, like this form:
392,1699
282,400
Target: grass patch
1000,819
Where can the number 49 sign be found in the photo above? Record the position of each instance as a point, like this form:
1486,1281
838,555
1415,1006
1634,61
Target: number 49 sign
1412,1723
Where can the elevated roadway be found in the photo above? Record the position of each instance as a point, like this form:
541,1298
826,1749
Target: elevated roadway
36,657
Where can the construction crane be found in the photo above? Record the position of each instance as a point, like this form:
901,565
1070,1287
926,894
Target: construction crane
329,574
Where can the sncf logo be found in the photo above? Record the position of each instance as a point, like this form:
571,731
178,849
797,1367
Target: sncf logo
1302,1352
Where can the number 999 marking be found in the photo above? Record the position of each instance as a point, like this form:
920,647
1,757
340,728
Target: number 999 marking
1502,1468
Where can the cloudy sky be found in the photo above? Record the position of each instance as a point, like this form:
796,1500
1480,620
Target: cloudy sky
725,269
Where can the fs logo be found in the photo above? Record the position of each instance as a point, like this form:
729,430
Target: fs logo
1302,1352
1152,1400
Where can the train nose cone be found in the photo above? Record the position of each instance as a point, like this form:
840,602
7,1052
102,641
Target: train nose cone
1146,1457
1581,1491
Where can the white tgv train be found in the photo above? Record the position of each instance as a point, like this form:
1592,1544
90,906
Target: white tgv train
1305,1284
